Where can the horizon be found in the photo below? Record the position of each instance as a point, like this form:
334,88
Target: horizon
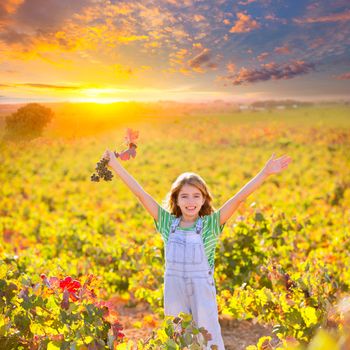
320,100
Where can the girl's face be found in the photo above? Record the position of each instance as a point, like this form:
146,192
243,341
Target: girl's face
190,200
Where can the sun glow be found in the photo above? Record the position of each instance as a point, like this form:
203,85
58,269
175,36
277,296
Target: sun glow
98,95
99,100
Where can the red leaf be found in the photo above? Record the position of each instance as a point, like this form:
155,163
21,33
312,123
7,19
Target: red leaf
124,155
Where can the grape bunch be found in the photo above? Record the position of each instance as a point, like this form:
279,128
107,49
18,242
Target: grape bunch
102,171
101,167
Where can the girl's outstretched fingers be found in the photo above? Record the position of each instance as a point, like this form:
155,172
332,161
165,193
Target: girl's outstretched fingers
276,165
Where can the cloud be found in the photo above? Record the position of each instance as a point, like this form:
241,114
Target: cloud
197,45
155,17
10,36
178,57
272,17
50,86
315,43
345,76
198,18
45,86
125,39
59,26
212,65
263,56
231,67
197,61
282,50
335,17
44,14
270,71
244,24
246,2
10,6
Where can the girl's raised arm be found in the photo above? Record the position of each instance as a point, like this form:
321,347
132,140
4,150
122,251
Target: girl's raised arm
146,200
272,166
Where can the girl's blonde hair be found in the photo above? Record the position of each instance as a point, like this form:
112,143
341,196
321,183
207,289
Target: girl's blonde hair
189,178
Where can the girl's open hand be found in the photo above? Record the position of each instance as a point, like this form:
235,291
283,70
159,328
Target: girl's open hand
110,156
276,165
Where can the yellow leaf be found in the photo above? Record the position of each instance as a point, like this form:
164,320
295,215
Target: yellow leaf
53,346
309,315
137,324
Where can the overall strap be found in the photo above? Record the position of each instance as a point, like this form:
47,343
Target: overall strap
199,225
174,224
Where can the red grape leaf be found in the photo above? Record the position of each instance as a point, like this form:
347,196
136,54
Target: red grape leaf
124,155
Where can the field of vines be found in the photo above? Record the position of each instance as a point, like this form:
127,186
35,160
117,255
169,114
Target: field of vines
72,250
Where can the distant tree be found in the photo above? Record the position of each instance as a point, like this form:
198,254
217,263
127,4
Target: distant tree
27,123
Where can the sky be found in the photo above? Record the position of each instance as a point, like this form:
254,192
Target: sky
106,51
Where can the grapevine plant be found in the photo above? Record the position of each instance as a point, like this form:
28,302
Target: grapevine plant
58,312
180,332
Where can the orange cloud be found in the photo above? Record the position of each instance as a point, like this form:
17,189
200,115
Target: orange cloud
9,6
124,39
179,33
244,24
263,56
231,67
178,57
197,45
122,8
335,17
155,17
282,50
317,42
198,18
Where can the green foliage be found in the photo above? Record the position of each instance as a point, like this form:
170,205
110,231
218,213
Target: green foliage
54,313
175,333
282,258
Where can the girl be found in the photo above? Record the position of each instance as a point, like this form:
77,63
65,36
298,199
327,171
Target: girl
190,228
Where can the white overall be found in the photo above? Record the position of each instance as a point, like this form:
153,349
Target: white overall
188,280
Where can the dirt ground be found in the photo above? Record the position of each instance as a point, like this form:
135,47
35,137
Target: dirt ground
237,335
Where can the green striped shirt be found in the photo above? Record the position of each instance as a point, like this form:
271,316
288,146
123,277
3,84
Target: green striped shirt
210,233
